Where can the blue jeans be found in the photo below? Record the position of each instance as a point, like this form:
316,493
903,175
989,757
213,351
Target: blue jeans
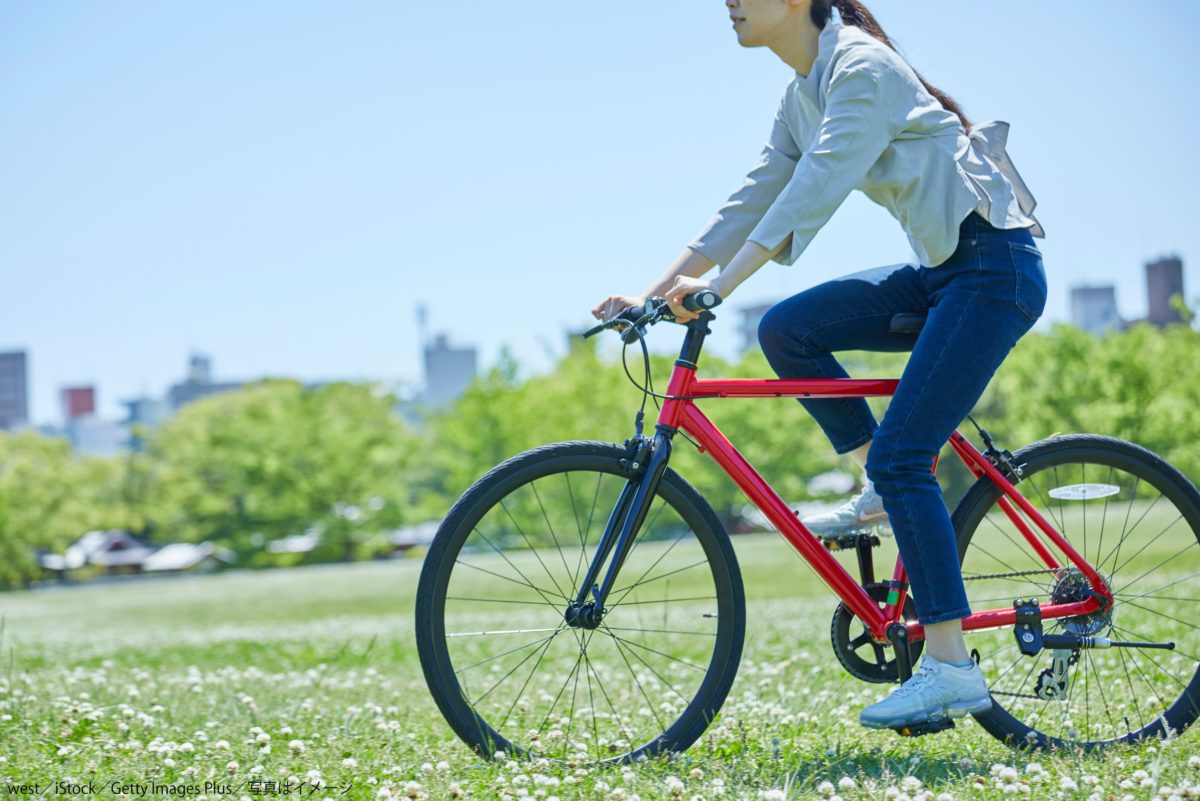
980,301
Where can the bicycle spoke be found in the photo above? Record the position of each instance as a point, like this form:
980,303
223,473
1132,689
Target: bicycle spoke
529,544
1153,540
540,591
550,528
664,631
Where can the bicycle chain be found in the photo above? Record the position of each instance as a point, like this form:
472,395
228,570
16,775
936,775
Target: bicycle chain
1014,574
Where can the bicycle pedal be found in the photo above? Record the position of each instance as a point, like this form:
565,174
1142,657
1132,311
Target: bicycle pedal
927,727
850,541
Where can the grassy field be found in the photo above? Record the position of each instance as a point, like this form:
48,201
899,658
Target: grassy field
309,679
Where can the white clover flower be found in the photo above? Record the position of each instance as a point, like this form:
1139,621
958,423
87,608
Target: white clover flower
412,789
910,784
1194,762
296,746
945,797
262,737
1068,783
774,795
825,788
846,783
442,765
349,762
221,745
232,767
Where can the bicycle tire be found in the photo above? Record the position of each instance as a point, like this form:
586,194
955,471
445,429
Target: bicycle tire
1123,683
475,718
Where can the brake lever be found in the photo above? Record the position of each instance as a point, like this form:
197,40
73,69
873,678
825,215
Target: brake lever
658,311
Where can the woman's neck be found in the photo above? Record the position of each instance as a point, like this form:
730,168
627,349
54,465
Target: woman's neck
797,44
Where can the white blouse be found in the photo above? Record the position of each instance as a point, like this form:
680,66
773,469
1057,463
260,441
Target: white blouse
861,119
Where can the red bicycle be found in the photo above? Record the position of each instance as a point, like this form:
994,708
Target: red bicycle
582,601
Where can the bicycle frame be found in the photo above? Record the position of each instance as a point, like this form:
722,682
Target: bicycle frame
680,413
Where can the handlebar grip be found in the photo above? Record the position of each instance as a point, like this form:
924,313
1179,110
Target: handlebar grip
704,299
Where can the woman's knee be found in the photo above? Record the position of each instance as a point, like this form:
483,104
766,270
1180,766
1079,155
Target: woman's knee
891,461
782,334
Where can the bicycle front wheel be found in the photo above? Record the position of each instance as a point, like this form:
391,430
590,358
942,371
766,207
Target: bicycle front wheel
1136,520
507,671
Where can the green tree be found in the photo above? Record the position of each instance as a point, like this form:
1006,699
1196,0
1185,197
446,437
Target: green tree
48,498
276,458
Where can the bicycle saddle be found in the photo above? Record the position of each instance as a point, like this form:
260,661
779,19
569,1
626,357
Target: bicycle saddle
909,323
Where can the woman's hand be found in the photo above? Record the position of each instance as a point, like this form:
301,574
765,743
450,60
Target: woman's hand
684,286
613,305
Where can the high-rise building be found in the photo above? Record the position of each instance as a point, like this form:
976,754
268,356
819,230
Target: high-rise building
198,384
144,415
1094,308
14,393
78,402
1164,279
448,371
751,317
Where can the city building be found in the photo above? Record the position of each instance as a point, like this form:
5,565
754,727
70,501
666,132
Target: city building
448,371
1164,280
751,317
14,392
78,402
143,415
87,433
198,384
1094,308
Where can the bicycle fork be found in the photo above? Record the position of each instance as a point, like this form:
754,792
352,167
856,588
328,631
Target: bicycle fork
647,461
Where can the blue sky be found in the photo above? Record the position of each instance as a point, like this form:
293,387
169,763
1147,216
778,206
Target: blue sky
280,184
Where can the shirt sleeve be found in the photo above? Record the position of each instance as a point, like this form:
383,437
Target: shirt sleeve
726,232
854,132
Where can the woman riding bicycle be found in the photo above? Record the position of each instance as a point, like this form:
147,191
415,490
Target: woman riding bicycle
856,116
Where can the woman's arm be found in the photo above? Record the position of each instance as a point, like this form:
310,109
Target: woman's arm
727,230
690,264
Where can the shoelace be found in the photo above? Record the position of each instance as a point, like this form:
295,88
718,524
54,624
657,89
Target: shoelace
858,497
923,676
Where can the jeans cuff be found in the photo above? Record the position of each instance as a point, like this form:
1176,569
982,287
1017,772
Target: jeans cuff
841,450
942,617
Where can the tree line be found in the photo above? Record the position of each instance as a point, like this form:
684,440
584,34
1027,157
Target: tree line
276,458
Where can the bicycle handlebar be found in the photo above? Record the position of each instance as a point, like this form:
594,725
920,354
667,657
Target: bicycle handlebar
654,310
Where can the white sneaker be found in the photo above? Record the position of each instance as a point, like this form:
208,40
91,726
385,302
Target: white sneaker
863,511
937,690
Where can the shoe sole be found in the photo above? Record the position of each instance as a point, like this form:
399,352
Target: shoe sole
970,708
883,529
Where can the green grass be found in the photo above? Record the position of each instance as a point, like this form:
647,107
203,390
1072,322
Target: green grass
209,679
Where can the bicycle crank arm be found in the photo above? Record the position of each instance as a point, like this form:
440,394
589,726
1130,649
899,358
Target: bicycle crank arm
1067,641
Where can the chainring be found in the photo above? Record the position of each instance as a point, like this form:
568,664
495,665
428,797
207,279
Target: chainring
880,667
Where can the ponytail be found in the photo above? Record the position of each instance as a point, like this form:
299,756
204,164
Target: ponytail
855,13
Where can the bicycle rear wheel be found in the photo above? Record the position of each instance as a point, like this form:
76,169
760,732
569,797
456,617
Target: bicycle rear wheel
1136,520
507,671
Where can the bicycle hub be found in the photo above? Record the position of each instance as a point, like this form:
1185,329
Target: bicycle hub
584,616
